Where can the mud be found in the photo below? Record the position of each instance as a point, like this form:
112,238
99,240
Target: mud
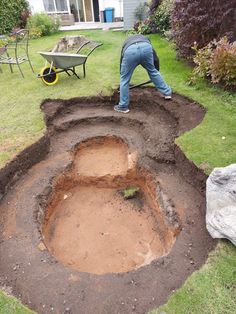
60,168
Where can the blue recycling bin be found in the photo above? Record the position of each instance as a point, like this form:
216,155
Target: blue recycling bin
109,15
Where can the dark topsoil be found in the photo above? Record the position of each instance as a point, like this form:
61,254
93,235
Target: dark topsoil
26,183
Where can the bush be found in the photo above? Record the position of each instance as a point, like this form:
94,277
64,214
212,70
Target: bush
11,14
153,5
163,15
201,21
217,61
43,24
145,27
159,21
141,12
25,14
35,32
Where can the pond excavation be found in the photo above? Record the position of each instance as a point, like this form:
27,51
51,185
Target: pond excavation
92,227
104,213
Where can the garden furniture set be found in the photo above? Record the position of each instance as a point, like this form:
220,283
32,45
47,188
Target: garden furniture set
69,52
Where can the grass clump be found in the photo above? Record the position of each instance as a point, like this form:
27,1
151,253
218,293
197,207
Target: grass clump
130,192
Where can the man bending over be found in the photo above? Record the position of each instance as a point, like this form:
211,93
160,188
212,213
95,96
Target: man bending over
136,50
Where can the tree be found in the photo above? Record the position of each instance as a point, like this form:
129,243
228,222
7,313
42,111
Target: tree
201,21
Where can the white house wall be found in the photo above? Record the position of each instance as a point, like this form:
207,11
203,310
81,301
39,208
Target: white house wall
36,6
129,9
116,4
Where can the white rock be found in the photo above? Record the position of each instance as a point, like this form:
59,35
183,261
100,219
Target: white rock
221,203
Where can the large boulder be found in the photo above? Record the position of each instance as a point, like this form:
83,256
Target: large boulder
221,203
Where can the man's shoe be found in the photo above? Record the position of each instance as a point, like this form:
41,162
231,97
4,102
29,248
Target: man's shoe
168,97
118,109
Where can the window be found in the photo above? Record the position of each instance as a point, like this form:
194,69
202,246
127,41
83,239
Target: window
49,5
55,5
61,5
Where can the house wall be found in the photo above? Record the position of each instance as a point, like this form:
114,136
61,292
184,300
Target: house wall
36,6
129,8
116,4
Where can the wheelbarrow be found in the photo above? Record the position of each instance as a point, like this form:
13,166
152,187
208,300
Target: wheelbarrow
59,62
69,52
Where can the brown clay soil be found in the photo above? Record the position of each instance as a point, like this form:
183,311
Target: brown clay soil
69,240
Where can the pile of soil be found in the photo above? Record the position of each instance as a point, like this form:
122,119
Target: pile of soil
69,242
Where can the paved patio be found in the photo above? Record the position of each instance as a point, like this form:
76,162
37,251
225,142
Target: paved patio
93,25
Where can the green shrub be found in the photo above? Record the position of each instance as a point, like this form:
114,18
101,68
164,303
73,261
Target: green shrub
141,12
163,15
159,21
145,27
35,32
12,14
42,23
6,40
3,42
216,61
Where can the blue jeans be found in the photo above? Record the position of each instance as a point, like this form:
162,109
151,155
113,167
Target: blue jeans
136,54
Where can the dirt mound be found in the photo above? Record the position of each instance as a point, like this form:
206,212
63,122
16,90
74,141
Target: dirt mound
70,242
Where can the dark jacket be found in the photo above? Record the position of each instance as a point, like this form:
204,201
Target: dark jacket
136,39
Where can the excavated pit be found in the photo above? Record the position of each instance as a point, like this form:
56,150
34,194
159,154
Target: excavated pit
69,241
91,227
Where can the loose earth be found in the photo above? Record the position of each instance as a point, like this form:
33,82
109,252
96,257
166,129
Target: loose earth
69,241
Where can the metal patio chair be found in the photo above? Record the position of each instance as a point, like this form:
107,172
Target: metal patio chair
2,51
16,52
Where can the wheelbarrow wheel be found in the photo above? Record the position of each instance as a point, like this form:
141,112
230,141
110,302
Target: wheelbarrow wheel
49,76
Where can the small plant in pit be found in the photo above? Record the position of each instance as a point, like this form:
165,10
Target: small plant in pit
130,192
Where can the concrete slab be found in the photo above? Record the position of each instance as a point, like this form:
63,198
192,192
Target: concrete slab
93,25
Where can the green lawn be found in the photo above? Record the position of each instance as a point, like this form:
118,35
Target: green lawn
212,289
10,305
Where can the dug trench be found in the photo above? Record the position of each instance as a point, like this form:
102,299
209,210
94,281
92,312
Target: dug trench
70,241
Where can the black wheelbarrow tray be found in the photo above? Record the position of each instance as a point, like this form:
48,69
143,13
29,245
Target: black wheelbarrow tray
60,62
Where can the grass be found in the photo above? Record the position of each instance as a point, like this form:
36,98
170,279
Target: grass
21,121
210,290
10,305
